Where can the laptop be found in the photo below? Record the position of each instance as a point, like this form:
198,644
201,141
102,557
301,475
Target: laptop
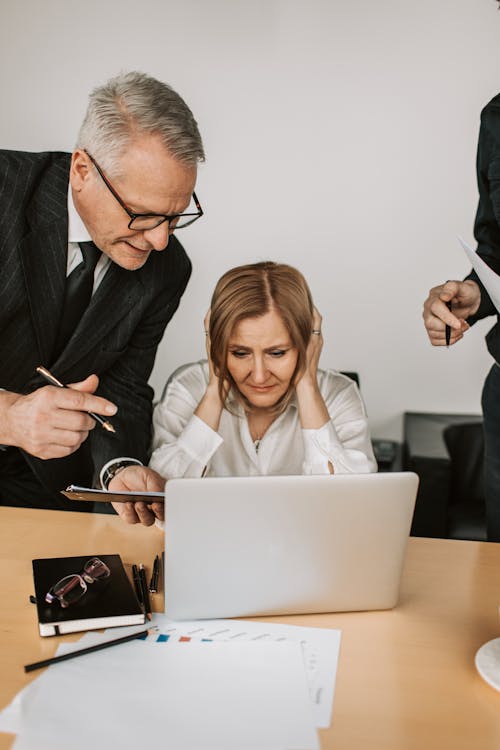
276,545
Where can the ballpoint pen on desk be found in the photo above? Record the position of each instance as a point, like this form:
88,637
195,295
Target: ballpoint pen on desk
153,583
145,592
54,381
88,650
157,573
138,587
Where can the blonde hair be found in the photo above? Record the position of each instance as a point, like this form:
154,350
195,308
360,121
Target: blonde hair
251,291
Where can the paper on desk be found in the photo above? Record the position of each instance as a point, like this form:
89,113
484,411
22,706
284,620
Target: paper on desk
489,278
11,716
208,695
320,647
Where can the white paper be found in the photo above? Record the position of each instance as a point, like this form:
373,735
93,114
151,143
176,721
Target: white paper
219,696
320,647
11,716
489,278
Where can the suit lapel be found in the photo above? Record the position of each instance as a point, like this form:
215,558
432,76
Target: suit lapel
45,281
44,252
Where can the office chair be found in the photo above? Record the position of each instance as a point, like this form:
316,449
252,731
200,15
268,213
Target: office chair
466,510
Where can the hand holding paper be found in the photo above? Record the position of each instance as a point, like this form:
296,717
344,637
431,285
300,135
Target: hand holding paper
138,479
489,278
450,304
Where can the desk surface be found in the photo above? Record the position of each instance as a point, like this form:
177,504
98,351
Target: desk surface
406,677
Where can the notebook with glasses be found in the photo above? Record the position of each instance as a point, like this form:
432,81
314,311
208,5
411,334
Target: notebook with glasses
248,546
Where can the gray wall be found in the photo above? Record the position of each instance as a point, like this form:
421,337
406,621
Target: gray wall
340,137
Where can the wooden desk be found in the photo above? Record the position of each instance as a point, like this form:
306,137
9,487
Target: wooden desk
406,678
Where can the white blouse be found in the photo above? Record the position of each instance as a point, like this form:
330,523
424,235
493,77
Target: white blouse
185,446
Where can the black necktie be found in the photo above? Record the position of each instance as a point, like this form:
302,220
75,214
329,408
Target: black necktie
79,285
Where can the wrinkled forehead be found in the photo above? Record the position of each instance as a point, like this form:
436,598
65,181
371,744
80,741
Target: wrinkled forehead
150,178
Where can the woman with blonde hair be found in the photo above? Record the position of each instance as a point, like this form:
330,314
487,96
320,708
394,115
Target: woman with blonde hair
259,404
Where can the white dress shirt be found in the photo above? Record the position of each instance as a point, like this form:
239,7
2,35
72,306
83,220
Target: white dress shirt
77,232
185,446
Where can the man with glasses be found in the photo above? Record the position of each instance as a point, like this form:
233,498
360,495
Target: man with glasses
91,274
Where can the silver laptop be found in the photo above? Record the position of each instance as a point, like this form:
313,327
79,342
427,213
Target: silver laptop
248,546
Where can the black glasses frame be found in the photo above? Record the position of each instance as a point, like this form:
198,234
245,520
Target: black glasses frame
160,217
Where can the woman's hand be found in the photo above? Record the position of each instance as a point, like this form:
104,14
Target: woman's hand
210,407
213,380
309,377
313,413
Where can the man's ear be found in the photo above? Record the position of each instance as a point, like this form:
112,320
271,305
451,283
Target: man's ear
80,169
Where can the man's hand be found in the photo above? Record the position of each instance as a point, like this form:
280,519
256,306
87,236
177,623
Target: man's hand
140,479
51,422
464,296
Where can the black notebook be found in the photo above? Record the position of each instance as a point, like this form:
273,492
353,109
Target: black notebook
107,603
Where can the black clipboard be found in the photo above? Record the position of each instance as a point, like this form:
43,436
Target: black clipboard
89,495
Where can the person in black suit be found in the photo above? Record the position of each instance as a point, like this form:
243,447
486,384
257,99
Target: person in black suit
110,210
469,301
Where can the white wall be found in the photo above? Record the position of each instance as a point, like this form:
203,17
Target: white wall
340,137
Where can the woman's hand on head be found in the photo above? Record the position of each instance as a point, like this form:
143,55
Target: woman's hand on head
313,353
210,407
213,379
313,412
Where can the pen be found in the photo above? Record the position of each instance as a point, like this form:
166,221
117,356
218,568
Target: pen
157,572
54,381
88,650
138,586
145,592
447,330
153,584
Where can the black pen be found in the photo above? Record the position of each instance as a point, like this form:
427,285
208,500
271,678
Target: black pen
447,329
138,586
54,381
152,587
145,592
153,583
88,650
157,572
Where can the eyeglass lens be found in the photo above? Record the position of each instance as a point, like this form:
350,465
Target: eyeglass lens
71,588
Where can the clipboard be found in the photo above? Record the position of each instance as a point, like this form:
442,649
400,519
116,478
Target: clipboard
90,495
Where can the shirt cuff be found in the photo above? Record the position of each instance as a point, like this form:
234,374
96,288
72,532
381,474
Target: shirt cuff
320,446
199,440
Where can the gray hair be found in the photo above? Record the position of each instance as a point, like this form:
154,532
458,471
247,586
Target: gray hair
134,103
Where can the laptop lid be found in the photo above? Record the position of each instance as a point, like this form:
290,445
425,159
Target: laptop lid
248,546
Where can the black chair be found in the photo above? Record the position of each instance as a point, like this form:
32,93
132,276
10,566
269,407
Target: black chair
466,510
446,451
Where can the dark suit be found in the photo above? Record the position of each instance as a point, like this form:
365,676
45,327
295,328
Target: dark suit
118,335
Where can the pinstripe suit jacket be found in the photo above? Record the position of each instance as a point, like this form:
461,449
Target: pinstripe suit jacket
118,335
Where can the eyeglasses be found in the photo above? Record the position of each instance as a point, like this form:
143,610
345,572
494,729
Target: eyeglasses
143,222
71,588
